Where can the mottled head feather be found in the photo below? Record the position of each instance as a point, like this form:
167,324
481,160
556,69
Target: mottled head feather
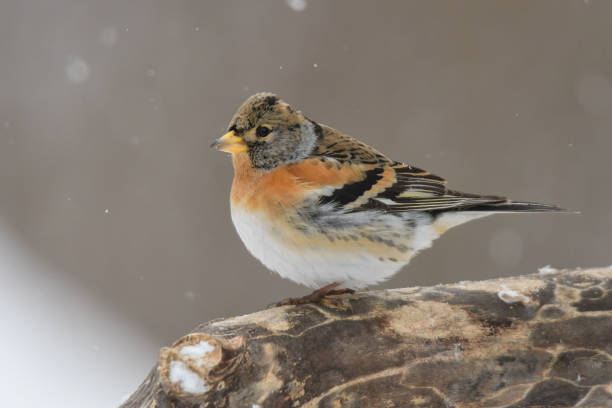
253,110
290,135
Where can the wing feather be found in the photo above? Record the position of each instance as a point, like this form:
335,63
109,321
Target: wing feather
408,189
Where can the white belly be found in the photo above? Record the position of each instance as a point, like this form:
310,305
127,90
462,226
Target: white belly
312,266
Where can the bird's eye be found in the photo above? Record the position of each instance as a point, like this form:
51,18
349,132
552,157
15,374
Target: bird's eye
262,131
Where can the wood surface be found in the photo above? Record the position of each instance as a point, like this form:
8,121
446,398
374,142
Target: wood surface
542,340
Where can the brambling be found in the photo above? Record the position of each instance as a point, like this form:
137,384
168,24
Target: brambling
328,211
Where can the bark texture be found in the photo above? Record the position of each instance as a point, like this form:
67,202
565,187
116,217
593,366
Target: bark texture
539,340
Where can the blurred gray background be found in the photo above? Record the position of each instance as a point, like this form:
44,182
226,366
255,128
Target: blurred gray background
107,109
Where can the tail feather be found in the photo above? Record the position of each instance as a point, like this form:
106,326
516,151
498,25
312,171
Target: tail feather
517,206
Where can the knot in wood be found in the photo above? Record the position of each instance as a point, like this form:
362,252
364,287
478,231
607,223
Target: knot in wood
197,363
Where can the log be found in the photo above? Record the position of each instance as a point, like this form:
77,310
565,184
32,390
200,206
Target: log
537,340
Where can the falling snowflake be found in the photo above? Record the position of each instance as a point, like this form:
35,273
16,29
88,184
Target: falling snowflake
297,5
77,70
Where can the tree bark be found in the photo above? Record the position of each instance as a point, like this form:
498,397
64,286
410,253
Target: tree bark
537,340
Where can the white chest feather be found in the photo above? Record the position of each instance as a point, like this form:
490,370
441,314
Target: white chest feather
312,266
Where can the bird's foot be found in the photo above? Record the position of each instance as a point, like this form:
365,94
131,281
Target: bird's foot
320,296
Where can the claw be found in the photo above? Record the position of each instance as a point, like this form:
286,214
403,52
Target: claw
321,296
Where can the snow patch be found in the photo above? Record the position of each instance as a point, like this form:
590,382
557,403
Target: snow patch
197,350
297,5
545,270
77,70
511,296
189,381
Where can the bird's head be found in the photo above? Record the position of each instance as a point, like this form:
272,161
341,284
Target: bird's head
269,131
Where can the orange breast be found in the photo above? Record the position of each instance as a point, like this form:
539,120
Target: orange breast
256,189
286,185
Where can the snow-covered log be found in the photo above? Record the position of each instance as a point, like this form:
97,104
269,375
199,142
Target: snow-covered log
537,340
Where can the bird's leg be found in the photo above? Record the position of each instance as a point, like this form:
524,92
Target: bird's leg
318,296
337,292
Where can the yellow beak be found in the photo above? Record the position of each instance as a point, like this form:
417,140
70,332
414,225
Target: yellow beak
230,143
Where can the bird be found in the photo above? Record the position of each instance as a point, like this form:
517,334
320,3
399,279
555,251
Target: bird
327,211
